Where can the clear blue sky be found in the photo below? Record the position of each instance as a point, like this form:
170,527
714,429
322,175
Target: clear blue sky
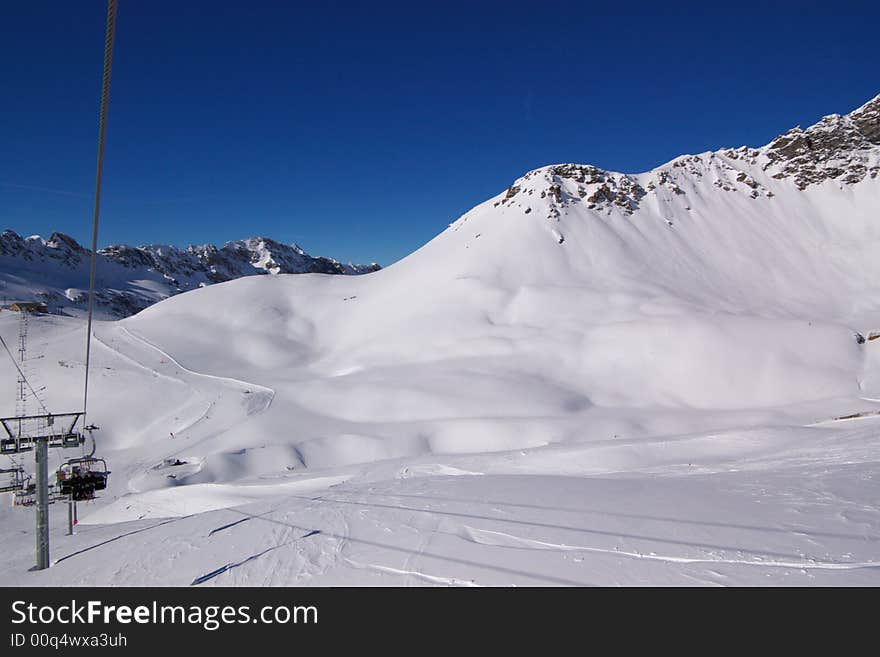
360,130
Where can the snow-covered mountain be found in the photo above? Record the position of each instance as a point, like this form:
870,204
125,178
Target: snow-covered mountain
669,377
56,271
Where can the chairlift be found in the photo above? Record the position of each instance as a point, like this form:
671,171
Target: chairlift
80,478
27,496
13,479
22,486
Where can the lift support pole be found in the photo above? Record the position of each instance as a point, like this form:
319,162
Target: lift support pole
20,438
41,458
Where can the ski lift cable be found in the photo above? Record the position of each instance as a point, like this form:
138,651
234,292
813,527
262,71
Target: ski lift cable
23,377
102,122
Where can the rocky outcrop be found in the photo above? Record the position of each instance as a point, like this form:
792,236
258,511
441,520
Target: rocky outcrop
843,149
837,147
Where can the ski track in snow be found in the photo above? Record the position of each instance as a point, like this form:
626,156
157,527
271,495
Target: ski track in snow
433,579
203,399
199,498
196,398
501,539
269,392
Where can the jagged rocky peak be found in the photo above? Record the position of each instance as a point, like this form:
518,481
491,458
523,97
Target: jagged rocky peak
59,246
232,260
63,242
260,243
845,148
128,256
840,147
11,243
64,248
268,254
276,257
563,184
582,173
867,119
131,278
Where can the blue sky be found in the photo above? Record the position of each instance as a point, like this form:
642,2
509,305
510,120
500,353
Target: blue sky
360,130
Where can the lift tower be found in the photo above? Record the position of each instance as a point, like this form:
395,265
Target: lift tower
39,433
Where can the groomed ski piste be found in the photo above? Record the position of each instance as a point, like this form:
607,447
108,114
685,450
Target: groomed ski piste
590,379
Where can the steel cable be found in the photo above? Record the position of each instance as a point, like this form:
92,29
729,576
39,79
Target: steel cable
102,124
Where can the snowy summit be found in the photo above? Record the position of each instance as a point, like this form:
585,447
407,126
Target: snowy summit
56,271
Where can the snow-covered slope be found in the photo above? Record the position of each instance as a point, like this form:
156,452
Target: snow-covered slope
592,377
56,271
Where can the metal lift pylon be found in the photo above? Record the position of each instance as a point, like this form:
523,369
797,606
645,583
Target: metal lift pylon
37,433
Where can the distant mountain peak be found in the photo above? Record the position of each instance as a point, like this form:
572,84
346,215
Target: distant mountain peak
129,278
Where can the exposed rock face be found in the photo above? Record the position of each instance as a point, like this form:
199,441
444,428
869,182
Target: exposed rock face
617,190
837,147
59,247
12,244
582,173
232,260
838,150
129,278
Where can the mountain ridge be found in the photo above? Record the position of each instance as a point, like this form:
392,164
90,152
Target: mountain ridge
54,271
837,146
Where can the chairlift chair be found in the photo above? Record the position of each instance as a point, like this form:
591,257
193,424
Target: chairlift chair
26,495
13,479
80,478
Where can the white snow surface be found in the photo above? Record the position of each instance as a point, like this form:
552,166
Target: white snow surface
559,389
